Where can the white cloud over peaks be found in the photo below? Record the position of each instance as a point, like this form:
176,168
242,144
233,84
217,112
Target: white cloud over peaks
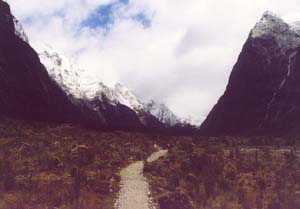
183,58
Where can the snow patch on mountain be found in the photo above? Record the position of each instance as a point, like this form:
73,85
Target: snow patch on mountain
270,23
192,121
126,97
19,30
79,84
119,94
104,91
168,117
287,35
163,113
62,71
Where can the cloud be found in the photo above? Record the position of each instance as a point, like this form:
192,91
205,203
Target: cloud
179,52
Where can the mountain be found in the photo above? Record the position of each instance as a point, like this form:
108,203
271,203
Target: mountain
172,123
62,71
122,108
263,93
163,113
119,107
53,85
117,104
26,90
19,30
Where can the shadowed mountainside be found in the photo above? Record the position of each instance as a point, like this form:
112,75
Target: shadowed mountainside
263,92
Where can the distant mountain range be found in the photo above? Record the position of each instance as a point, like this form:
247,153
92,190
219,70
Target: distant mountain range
79,84
46,85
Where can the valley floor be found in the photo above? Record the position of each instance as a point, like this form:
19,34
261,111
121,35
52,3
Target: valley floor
44,166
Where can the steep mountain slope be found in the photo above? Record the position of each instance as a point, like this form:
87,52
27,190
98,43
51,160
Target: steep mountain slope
26,90
19,30
263,93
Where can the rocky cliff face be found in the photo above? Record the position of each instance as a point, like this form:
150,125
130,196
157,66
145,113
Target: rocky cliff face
263,93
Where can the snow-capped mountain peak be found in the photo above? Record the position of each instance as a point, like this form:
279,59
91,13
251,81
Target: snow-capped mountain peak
163,113
281,35
62,71
270,23
19,30
59,67
126,97
80,84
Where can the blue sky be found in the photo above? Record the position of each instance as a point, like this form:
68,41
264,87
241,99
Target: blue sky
104,16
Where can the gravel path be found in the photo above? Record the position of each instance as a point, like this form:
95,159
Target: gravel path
135,192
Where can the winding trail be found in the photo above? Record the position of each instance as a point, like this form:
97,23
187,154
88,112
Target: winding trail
135,192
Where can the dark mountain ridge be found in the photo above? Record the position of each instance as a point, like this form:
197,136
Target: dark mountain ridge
26,90
263,93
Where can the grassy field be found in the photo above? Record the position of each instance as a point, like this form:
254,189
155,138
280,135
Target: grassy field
64,166
45,166
228,173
